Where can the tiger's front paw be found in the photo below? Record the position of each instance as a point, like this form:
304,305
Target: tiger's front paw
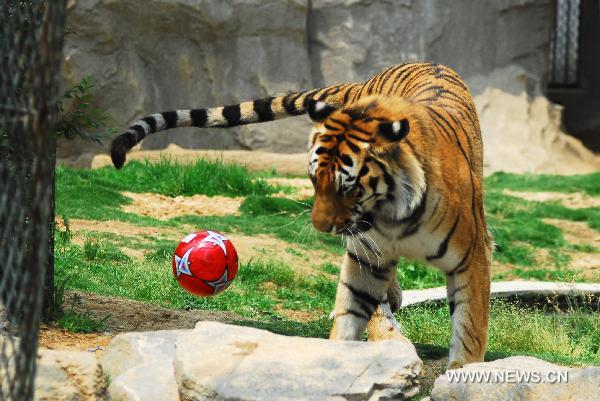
384,326
455,364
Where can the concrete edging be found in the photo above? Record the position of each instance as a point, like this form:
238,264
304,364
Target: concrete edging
504,289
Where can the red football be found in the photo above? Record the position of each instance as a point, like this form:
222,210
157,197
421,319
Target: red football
205,263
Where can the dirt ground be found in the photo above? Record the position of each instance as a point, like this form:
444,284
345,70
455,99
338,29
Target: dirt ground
575,200
79,228
164,207
576,232
302,186
122,315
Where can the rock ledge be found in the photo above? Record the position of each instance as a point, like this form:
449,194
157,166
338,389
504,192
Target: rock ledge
216,361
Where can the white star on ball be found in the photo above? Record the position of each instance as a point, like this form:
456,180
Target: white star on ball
215,238
221,283
182,265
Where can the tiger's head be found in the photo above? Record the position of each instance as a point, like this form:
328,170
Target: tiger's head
361,163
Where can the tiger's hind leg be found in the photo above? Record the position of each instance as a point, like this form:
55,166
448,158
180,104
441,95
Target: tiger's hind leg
468,288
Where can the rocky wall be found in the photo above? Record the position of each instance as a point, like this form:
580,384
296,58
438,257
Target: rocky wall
157,55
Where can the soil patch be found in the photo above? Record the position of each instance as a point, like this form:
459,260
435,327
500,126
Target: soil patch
302,186
124,315
80,226
134,253
432,369
576,200
587,263
505,268
164,207
127,315
576,232
60,339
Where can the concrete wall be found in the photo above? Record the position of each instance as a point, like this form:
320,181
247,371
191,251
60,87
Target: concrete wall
155,55
351,39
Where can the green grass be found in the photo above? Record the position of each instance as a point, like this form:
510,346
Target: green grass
172,179
517,225
414,275
81,322
99,266
588,183
562,337
61,310
96,194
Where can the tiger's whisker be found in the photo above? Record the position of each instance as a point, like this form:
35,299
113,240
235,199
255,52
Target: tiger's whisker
371,241
355,250
294,220
367,255
376,252
309,206
297,236
366,222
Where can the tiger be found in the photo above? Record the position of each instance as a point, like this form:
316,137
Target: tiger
396,163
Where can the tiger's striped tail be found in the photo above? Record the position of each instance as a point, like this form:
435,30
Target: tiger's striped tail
255,111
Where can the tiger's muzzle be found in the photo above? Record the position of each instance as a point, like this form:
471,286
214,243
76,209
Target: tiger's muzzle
331,213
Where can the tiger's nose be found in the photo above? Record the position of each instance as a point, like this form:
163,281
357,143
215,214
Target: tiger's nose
323,226
333,227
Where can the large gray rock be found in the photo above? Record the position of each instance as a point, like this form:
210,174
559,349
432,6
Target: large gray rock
517,378
216,361
140,366
522,130
69,376
251,364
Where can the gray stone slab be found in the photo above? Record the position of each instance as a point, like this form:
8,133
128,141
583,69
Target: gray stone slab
140,366
69,376
520,378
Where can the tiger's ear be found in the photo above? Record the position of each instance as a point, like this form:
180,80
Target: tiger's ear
394,131
318,110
